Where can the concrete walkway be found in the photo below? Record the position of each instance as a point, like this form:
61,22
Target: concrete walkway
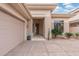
57,47
38,38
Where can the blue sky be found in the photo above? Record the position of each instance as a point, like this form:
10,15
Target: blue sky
65,7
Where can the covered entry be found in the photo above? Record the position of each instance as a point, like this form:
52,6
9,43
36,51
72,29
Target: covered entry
38,26
41,14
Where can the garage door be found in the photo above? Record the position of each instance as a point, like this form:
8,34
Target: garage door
11,32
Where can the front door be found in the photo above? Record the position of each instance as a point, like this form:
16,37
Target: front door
37,28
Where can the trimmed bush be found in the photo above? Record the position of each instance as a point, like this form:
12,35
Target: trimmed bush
77,34
56,32
68,34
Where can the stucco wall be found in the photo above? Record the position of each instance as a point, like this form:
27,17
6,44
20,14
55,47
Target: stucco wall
76,17
74,29
73,20
11,32
39,13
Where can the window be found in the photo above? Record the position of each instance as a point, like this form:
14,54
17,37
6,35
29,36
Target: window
59,24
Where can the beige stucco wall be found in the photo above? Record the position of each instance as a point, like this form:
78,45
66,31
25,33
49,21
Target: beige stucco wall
11,32
74,29
11,10
73,20
39,13
76,17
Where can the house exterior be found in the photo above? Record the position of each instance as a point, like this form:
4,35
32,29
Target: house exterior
18,20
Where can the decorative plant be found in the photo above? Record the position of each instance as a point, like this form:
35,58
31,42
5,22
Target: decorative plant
68,34
77,34
56,32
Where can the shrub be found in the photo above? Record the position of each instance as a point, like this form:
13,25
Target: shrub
56,32
76,34
68,34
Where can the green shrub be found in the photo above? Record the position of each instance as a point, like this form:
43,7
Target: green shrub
76,34
56,32
68,34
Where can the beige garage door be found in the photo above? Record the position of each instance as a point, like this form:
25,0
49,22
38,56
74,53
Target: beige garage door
11,32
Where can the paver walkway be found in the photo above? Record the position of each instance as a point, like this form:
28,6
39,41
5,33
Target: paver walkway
38,38
57,47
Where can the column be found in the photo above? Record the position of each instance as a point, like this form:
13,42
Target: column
47,27
30,24
66,26
25,35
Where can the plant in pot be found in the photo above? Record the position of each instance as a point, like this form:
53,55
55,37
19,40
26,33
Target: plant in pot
55,32
77,35
29,36
68,34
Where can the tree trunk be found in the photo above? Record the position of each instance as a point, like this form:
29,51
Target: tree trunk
55,36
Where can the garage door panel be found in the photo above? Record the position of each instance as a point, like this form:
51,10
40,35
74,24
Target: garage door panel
11,32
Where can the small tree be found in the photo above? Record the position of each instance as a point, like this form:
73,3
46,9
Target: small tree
68,34
56,32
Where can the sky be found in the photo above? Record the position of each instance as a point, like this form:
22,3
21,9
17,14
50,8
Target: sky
65,7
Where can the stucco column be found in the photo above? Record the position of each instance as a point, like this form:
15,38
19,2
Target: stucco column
31,27
66,26
30,23
47,27
25,36
52,24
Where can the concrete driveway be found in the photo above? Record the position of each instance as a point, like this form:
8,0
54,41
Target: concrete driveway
54,47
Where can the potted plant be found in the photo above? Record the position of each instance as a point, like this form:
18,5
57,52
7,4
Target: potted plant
68,34
56,32
29,36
